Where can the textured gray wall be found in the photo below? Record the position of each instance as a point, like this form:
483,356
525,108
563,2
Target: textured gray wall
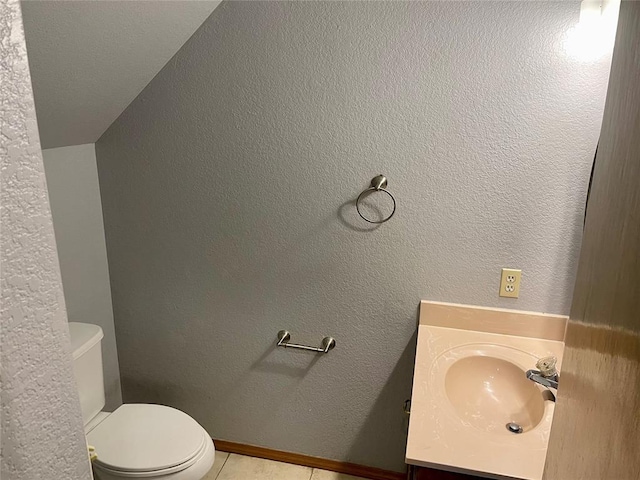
72,181
42,435
227,190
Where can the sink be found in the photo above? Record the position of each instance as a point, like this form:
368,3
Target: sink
482,385
473,410
489,393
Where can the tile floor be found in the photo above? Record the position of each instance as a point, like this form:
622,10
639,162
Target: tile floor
238,467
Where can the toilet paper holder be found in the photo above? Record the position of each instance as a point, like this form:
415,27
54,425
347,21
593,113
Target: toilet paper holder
328,343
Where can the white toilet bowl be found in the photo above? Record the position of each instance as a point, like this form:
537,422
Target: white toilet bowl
137,440
152,442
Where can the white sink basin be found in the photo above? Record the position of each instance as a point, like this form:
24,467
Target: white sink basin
488,393
469,387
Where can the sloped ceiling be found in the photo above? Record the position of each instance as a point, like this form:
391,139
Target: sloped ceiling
90,58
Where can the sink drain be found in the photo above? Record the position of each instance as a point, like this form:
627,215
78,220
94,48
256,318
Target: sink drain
514,427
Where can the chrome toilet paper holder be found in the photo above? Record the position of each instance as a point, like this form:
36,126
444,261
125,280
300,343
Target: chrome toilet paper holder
328,343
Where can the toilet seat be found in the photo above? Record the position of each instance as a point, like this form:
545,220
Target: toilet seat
142,440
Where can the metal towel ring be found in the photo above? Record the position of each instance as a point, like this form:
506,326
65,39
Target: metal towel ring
378,184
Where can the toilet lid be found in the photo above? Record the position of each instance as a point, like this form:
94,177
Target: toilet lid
144,438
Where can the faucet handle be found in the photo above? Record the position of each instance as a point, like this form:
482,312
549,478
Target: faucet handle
547,366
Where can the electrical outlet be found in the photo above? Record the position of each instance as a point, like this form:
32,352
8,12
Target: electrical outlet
510,282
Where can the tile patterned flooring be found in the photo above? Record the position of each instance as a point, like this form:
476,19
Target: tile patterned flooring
238,467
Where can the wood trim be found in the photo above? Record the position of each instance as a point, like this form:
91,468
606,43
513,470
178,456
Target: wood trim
309,461
423,473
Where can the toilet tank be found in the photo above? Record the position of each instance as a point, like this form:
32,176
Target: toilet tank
87,367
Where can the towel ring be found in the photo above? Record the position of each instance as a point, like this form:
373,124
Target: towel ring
378,184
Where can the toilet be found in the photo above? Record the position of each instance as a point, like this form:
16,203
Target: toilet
138,440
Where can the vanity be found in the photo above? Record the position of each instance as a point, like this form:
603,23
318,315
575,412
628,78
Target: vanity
478,408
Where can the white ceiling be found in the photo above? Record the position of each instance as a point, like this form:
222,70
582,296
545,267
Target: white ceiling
89,59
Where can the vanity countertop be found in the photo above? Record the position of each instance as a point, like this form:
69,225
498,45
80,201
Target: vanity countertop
449,429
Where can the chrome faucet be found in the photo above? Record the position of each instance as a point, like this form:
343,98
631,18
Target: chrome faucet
547,374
